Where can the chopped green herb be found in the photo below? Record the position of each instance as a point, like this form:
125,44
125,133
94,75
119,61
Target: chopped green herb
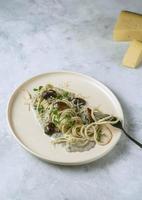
59,96
56,115
54,111
56,119
35,89
65,94
40,109
40,87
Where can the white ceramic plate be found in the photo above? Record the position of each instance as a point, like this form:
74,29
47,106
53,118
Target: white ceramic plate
29,134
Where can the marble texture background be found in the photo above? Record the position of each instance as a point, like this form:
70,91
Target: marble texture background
43,35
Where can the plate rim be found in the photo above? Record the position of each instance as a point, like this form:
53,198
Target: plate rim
8,107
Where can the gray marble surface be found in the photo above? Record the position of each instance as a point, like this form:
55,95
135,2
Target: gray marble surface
42,35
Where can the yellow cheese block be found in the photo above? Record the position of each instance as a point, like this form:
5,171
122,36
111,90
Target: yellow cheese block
128,27
133,56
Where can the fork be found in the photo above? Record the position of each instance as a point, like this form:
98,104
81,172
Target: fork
119,125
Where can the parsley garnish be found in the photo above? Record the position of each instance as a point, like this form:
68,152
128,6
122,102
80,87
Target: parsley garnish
40,87
35,89
40,109
59,96
65,94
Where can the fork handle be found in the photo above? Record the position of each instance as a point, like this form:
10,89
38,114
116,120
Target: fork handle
135,141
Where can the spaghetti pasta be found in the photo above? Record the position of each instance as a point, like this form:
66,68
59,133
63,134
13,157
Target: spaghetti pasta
80,126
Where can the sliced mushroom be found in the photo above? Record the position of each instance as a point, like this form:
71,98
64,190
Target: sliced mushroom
48,94
50,129
79,101
89,115
61,105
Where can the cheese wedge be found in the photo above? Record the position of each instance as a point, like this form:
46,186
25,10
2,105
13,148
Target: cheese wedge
128,27
133,56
